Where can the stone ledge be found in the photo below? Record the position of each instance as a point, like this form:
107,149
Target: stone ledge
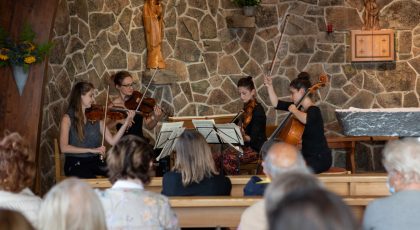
240,21
163,77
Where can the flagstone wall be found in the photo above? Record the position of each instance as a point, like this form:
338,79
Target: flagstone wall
95,38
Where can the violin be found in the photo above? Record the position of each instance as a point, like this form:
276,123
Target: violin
96,113
247,112
146,107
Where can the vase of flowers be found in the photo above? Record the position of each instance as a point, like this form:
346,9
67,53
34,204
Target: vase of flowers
21,54
248,6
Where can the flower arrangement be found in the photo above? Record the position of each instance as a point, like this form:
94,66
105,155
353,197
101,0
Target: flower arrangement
247,2
24,52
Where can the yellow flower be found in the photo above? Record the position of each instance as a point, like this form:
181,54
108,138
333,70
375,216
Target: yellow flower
3,57
29,60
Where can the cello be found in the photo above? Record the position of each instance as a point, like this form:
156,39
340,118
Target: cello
291,129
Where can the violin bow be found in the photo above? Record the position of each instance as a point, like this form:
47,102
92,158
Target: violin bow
278,44
141,100
106,109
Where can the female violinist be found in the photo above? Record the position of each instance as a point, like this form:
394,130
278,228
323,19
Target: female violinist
314,144
125,85
252,125
80,139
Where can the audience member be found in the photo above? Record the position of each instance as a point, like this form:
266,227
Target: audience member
401,210
127,205
13,220
281,158
310,209
71,204
17,171
194,173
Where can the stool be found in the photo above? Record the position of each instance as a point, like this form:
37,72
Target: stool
335,171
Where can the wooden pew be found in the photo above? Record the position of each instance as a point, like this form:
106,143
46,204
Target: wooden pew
226,211
343,185
346,142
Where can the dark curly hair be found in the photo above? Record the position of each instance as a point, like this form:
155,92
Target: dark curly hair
302,81
17,165
130,158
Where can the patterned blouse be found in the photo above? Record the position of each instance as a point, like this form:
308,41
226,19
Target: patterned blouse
128,206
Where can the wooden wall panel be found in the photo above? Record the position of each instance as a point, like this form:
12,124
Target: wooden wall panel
23,113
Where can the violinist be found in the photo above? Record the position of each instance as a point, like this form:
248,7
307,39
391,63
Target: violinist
252,123
125,85
314,144
80,139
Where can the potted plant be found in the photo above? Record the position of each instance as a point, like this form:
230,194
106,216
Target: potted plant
21,54
248,6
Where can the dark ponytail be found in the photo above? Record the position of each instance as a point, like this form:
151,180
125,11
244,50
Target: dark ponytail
119,77
302,81
246,82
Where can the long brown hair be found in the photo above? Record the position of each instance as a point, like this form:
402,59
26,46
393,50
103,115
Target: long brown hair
75,104
193,158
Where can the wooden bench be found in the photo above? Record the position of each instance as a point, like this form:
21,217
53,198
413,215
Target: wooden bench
343,185
227,211
345,142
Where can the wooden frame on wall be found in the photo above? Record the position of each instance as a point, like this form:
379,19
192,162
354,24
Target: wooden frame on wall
372,45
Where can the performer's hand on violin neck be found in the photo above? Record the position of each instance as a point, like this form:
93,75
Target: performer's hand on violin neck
157,112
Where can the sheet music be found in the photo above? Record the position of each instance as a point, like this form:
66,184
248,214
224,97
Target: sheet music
170,143
206,128
230,133
165,132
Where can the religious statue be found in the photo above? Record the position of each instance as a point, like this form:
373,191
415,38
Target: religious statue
153,25
371,21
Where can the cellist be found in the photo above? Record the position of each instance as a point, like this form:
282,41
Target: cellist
314,144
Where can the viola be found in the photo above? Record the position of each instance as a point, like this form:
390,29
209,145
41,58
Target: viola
97,113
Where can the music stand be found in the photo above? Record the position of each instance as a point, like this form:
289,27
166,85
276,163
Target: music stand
167,138
220,134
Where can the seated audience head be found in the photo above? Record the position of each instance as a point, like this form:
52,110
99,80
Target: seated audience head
193,157
130,158
71,204
17,165
311,208
282,157
13,220
285,183
401,159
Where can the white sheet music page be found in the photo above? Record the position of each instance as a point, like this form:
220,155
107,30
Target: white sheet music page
230,133
165,132
206,128
170,143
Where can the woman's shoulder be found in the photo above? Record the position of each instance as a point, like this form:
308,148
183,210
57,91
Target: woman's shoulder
259,109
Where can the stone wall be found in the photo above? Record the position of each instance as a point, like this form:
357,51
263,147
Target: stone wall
95,38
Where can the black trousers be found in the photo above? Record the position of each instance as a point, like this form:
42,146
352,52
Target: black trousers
319,162
85,167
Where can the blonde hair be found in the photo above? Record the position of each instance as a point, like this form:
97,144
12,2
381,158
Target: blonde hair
193,158
71,205
17,166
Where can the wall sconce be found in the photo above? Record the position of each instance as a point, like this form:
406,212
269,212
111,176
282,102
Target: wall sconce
330,28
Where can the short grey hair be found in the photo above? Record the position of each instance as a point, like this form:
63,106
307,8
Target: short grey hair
285,183
71,205
403,156
274,170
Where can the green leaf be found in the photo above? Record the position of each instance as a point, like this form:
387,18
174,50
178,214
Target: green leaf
27,33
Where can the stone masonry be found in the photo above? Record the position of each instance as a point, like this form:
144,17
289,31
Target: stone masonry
95,38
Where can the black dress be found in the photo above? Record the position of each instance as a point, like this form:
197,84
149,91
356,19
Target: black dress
256,128
217,185
137,127
314,144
